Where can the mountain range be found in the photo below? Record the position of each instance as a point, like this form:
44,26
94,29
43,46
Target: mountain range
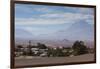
80,30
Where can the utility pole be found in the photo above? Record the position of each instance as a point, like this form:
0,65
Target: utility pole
29,46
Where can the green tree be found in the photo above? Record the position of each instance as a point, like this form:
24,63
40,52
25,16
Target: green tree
66,51
18,48
49,52
41,46
79,48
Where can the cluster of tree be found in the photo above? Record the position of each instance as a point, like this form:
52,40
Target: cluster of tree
77,48
55,52
59,52
41,46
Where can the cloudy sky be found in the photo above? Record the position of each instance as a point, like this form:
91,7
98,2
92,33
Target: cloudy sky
41,19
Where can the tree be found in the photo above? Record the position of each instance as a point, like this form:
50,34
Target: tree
49,52
79,48
56,52
41,46
66,51
19,46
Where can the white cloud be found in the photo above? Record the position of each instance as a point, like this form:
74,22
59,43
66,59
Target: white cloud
86,10
81,10
31,8
54,18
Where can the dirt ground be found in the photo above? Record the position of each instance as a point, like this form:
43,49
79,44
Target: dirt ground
25,61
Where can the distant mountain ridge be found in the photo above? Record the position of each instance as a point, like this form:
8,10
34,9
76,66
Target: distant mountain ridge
80,30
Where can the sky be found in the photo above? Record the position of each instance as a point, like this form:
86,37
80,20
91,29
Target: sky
38,20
